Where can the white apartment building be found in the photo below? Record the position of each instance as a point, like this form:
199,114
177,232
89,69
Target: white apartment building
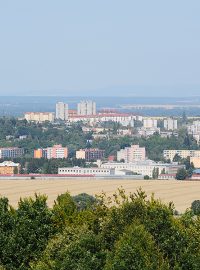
39,116
146,132
131,154
143,167
78,171
86,107
61,111
169,154
150,123
170,124
123,118
194,130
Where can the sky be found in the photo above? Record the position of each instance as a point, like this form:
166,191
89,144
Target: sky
100,48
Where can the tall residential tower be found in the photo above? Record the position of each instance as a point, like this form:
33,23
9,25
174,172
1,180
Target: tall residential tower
61,111
86,107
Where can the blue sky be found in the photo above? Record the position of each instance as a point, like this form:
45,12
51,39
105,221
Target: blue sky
106,47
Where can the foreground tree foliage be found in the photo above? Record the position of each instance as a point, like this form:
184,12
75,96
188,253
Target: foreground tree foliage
109,233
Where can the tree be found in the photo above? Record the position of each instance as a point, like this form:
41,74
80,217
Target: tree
136,250
15,170
7,224
176,158
155,173
84,201
76,248
196,207
63,210
184,117
181,174
163,171
146,177
28,231
189,172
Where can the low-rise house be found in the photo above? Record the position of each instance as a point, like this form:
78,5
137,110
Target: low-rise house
9,167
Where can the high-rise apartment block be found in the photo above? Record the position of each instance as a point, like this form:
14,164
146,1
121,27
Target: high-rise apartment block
132,154
61,111
86,107
150,123
90,154
170,124
57,151
11,152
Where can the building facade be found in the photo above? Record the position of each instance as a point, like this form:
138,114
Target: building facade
131,154
170,154
11,152
90,154
57,151
39,116
124,119
144,167
9,167
194,130
147,132
40,153
170,124
195,161
86,107
86,171
150,123
61,111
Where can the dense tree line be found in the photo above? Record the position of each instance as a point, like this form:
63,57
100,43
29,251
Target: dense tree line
41,135
82,232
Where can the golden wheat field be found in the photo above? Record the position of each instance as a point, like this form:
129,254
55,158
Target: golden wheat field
181,193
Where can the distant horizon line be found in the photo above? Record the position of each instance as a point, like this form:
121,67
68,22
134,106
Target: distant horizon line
103,96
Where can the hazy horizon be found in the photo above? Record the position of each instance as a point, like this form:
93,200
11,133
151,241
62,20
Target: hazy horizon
107,48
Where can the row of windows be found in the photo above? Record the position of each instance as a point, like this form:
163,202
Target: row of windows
84,171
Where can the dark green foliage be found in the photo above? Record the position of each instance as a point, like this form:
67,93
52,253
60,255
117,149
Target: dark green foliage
177,158
25,232
84,201
136,250
7,224
196,207
63,210
75,249
181,174
155,173
119,232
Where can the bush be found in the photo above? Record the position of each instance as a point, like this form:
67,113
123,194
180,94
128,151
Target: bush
196,207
